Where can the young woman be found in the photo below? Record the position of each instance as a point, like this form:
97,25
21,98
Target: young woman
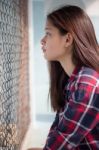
72,51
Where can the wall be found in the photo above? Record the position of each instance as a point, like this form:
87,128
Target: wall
14,81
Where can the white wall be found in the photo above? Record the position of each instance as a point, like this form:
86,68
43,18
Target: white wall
91,6
51,4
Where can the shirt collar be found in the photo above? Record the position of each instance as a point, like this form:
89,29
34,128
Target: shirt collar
74,73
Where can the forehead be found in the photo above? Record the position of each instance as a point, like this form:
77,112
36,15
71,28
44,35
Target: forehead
49,25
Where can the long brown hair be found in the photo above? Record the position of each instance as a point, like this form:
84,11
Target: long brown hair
86,51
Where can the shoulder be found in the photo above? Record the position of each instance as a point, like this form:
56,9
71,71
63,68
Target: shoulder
89,71
88,75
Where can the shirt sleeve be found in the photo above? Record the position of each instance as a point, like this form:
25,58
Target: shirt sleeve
80,116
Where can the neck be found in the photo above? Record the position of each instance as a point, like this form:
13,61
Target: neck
67,65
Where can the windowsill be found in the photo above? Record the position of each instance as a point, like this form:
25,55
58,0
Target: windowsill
36,135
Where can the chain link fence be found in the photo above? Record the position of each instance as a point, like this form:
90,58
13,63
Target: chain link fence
14,77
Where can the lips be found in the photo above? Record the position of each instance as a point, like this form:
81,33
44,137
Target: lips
44,50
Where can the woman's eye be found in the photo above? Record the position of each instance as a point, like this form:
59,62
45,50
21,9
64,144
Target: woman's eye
48,34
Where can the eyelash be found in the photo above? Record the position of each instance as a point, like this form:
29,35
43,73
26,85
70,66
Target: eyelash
48,34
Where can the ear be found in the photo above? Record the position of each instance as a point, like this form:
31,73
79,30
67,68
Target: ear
68,39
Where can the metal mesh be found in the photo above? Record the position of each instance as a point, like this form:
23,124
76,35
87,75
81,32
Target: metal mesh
14,95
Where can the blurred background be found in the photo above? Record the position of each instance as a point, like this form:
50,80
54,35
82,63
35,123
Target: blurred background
25,112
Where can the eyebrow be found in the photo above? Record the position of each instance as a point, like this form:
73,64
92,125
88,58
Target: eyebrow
48,28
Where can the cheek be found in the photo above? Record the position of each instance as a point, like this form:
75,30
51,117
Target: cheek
50,45
53,44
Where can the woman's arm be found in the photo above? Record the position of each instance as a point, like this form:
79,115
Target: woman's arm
78,119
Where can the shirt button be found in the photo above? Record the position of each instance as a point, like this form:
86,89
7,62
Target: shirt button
69,146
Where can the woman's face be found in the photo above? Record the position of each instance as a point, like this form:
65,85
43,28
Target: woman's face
53,43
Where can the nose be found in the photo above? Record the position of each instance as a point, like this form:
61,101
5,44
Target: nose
43,41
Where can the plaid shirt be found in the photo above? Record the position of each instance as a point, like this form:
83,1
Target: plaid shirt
76,126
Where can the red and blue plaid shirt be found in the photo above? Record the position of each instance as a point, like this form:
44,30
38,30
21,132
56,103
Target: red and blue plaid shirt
76,126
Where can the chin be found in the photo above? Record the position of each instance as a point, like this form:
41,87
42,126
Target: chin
49,58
